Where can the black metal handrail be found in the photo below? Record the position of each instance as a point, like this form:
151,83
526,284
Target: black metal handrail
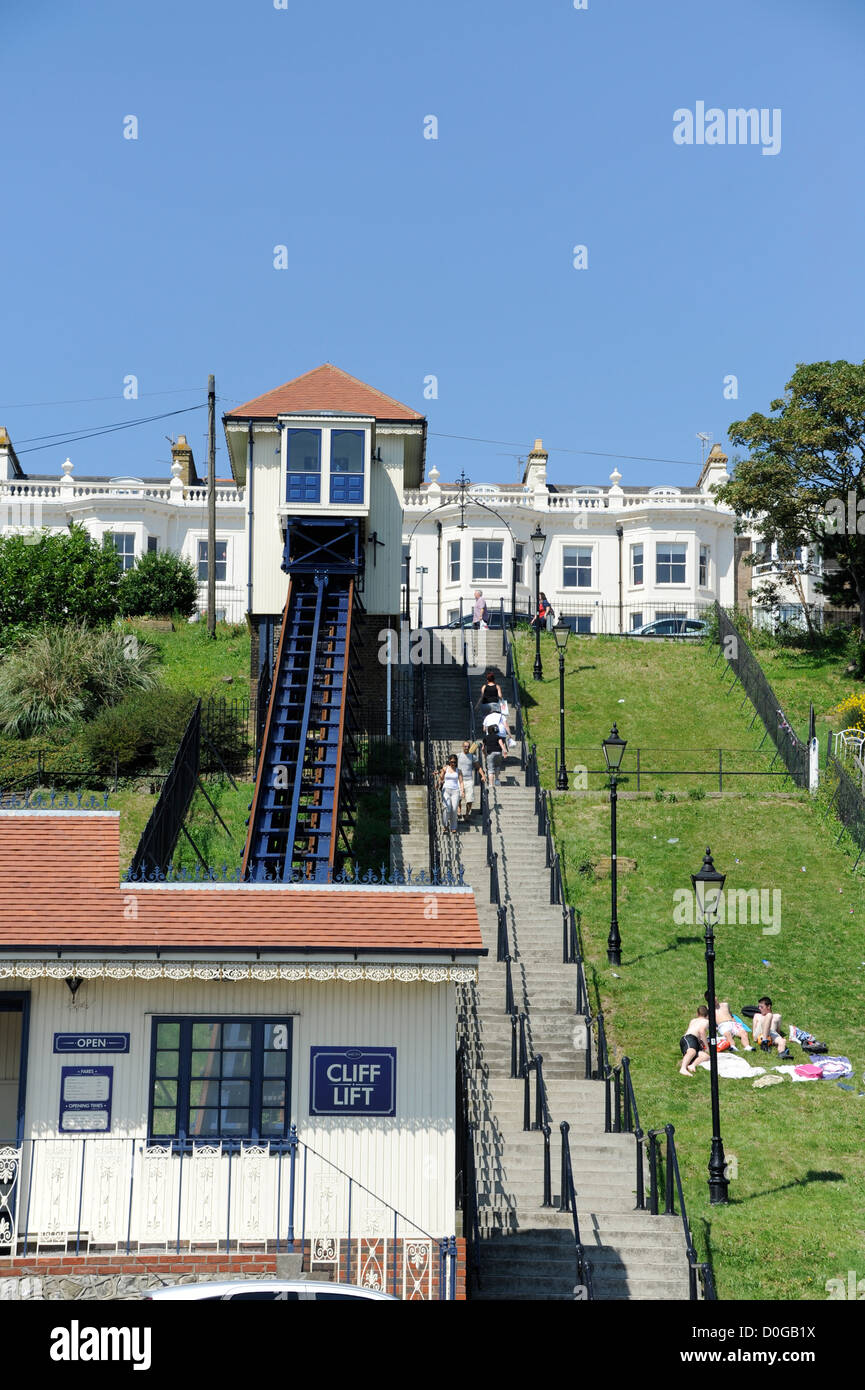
625,1117
568,1202
698,1271
467,1187
511,675
528,1067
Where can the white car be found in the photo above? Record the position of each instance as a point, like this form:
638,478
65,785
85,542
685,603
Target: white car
278,1290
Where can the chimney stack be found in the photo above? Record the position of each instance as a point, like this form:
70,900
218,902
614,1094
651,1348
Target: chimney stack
181,453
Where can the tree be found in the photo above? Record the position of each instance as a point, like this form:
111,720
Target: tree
160,583
55,578
806,462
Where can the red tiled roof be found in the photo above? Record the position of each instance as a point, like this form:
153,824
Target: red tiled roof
59,886
326,388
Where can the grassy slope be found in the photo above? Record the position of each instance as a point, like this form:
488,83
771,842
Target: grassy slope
798,676
798,1194
675,709
193,661
209,836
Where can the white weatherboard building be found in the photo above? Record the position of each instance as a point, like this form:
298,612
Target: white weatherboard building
237,1069
614,557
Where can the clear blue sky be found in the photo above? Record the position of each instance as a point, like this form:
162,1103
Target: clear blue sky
408,256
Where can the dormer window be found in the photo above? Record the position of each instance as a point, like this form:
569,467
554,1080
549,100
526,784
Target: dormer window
303,472
346,466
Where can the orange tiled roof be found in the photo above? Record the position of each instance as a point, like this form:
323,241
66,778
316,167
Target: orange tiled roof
326,388
59,887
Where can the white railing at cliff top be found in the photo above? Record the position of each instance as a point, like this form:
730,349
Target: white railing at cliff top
28,491
558,501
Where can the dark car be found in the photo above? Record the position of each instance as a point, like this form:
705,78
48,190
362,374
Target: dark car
672,627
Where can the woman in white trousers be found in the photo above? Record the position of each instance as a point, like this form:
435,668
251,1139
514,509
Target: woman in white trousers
452,790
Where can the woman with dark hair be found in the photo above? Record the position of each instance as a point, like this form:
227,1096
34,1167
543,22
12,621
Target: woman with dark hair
545,615
491,694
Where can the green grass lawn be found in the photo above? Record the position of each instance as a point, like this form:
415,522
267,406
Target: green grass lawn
799,676
668,699
191,660
799,1190
216,846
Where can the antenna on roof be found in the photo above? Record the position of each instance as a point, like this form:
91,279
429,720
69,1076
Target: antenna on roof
704,439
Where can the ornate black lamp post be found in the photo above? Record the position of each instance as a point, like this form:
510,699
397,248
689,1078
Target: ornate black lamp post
561,632
614,750
538,540
708,887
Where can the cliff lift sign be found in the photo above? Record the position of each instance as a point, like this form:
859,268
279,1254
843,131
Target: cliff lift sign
352,1080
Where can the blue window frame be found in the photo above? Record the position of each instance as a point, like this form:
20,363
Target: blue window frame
218,1079
303,468
346,466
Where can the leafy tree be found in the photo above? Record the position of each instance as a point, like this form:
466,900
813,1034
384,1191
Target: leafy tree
806,465
160,583
55,578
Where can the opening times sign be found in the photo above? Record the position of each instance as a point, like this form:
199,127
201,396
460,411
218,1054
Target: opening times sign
85,1099
352,1080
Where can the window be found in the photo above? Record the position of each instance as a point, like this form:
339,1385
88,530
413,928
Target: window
636,620
670,562
486,560
124,544
152,545
636,564
221,561
303,467
453,617
346,466
583,625
704,567
453,562
222,1078
577,567
520,561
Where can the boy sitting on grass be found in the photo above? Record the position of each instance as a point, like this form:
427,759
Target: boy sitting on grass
693,1041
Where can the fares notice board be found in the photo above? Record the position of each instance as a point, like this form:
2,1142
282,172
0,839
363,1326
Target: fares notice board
352,1080
85,1099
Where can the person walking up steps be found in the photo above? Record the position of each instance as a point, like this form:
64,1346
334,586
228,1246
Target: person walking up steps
495,751
467,762
452,790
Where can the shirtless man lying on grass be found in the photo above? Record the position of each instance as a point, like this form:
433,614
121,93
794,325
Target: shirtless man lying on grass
693,1041
728,1025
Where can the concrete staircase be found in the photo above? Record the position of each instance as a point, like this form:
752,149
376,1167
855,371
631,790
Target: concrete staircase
527,1251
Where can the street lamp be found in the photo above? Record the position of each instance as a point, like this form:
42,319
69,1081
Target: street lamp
561,632
708,887
538,540
420,571
614,750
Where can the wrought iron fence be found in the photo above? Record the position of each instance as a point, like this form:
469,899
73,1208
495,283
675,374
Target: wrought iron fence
746,669
156,846
89,1196
847,800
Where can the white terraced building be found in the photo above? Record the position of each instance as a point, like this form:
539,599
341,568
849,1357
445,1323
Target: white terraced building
614,557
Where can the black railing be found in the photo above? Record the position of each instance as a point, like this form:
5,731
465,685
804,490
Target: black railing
625,1118
536,1115
747,670
156,846
467,1187
568,1202
511,675
847,800
671,1178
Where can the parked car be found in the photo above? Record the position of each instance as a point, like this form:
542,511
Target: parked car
672,627
495,619
273,1290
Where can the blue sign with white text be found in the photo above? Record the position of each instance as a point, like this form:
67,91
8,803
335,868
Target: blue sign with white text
352,1080
91,1042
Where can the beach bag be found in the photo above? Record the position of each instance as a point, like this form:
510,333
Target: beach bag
809,1071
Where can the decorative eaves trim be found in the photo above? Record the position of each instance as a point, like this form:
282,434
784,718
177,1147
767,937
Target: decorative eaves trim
348,972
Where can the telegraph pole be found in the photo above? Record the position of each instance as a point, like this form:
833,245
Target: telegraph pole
211,507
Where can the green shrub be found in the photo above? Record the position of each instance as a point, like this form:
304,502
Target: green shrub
142,733
62,675
159,585
66,578
696,794
660,794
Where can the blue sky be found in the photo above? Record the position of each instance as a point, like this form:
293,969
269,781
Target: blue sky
410,257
